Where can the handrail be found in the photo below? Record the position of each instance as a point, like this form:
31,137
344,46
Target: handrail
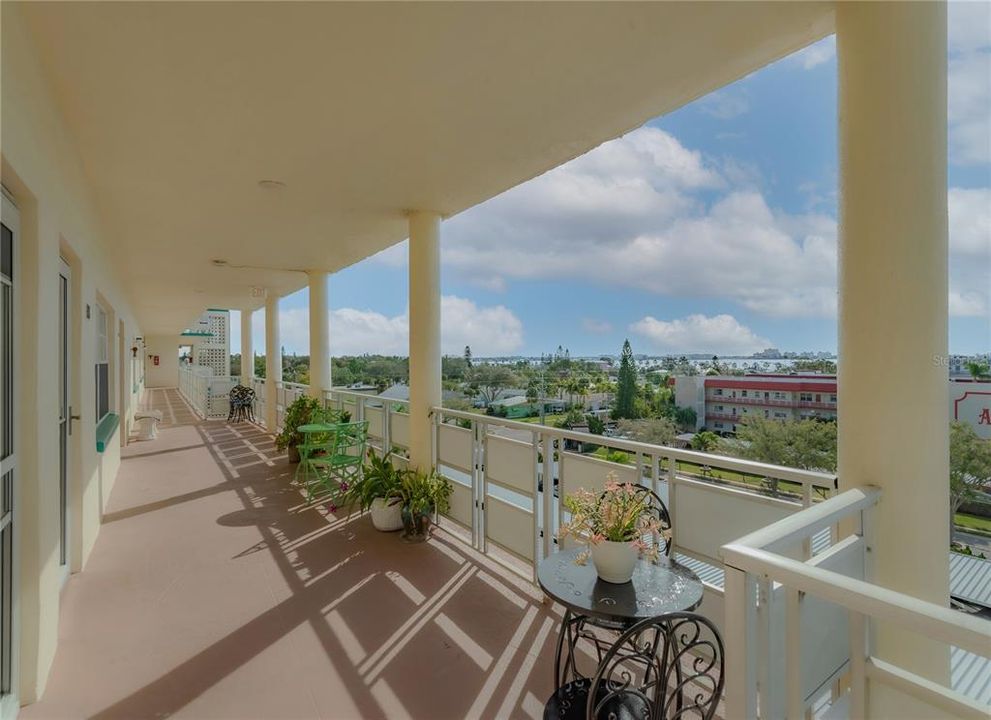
807,523
920,616
750,467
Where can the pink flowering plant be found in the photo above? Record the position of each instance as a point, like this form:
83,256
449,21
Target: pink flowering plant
620,513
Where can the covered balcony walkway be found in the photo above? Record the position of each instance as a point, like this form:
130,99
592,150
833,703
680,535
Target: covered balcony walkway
215,592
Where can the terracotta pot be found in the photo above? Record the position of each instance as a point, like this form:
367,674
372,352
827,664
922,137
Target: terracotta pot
614,561
385,516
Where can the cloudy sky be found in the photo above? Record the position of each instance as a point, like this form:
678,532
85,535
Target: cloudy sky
712,229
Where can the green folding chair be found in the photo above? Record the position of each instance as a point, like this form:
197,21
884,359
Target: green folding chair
341,468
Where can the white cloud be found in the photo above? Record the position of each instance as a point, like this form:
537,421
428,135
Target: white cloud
595,326
720,334
491,330
725,104
969,82
645,212
816,54
970,221
970,304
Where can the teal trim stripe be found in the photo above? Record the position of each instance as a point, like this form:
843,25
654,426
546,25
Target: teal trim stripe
195,333
105,430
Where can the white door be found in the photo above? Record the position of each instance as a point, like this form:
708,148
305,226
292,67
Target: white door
65,413
9,526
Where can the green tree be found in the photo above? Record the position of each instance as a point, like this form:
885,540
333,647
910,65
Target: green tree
979,370
491,380
655,431
827,367
626,391
804,444
595,424
970,466
705,441
686,417
468,356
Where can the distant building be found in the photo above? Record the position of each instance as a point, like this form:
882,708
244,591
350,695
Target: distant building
722,402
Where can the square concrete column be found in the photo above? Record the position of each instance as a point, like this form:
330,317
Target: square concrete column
319,334
893,306
273,363
424,333
247,348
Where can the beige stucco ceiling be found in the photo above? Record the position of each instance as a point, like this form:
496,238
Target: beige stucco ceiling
363,110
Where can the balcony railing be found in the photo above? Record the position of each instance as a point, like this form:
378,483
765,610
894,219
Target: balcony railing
791,595
729,400
206,393
798,627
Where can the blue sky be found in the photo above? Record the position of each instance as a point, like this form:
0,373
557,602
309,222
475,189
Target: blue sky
711,229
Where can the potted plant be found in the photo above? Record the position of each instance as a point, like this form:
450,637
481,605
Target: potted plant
423,492
614,523
380,492
301,411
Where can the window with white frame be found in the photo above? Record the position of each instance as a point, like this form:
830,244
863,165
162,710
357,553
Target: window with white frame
102,354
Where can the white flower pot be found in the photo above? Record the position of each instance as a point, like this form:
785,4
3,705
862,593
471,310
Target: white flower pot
614,561
387,518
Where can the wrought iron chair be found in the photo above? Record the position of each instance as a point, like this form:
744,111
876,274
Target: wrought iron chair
242,404
660,511
670,667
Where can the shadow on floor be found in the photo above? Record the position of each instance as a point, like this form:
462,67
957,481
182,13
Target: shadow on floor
423,631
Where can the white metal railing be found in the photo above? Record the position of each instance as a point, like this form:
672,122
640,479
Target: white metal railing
797,596
498,468
799,629
206,393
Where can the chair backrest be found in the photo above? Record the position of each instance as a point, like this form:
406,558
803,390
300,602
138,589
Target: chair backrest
240,392
668,667
351,439
660,511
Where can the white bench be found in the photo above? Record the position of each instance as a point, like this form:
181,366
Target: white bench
147,423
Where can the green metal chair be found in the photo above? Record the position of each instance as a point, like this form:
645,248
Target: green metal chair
336,471
317,445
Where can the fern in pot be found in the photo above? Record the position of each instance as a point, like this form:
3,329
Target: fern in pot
301,411
424,492
379,491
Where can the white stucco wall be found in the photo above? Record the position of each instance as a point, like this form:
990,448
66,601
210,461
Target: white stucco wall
166,348
58,217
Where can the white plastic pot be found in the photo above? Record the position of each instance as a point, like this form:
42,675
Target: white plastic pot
614,561
387,518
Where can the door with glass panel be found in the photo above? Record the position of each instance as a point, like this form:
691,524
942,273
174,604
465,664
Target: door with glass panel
65,413
9,527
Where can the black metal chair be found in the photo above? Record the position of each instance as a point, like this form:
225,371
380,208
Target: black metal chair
670,667
242,404
659,510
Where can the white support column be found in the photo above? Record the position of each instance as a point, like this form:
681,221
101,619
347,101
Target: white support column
273,363
893,417
247,348
319,334
424,332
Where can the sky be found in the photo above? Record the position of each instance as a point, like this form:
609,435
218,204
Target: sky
711,229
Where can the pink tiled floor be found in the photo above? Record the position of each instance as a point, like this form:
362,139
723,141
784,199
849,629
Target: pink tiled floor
214,592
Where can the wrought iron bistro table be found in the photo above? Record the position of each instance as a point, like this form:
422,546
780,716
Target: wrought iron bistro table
656,588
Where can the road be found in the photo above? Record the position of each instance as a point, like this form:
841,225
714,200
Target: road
977,543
